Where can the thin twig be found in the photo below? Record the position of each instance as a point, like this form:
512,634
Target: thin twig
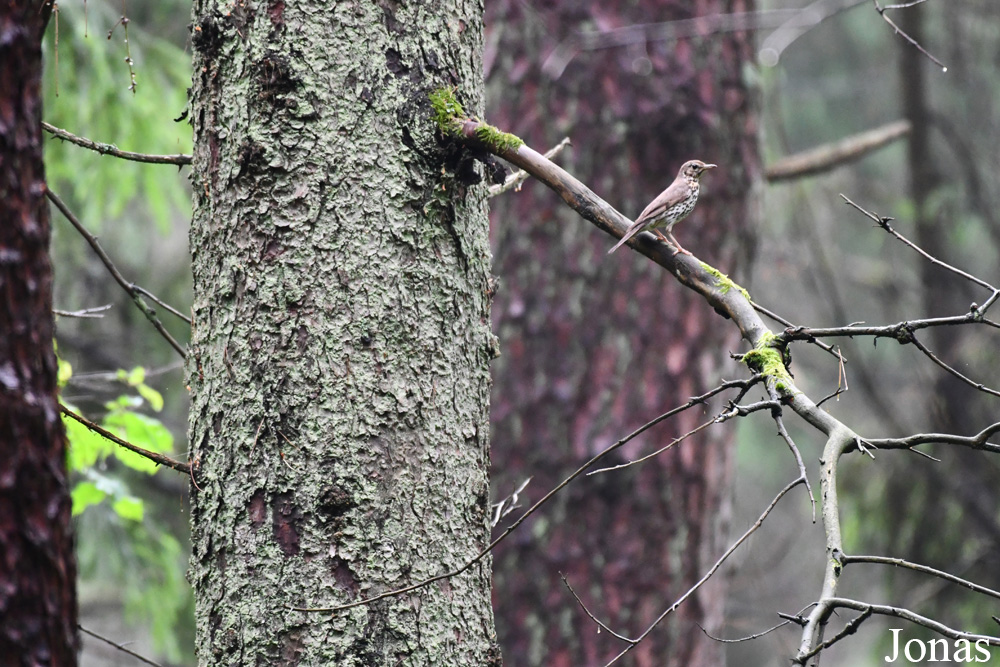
781,320
783,432
978,441
118,646
520,176
126,285
899,562
659,451
170,309
953,371
145,453
601,624
179,159
906,614
902,34
740,640
750,531
883,222
96,312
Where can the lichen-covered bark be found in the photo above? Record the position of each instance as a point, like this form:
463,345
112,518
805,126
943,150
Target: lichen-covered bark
339,363
594,346
37,564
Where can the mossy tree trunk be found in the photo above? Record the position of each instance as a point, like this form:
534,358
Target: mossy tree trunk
339,363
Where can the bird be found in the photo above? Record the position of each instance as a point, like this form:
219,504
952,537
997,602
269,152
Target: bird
670,206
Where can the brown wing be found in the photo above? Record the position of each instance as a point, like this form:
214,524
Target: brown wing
676,192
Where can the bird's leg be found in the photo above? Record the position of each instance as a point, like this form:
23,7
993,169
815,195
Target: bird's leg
660,234
680,248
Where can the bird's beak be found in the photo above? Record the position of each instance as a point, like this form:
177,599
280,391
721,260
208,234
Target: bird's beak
710,166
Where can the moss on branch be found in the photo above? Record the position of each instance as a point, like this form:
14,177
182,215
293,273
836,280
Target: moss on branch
450,117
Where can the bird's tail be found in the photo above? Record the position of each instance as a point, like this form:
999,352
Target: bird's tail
629,234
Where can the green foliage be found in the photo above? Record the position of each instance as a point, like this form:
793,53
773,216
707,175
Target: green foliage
87,94
447,109
86,447
147,561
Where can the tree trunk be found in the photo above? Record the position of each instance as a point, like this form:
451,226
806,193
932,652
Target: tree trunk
594,346
37,563
339,363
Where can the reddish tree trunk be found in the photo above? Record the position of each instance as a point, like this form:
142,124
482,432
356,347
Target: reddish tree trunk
594,346
37,566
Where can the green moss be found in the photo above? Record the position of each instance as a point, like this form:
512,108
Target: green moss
449,114
447,109
767,360
496,140
724,282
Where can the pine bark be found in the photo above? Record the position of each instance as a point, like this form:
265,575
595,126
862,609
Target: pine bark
594,346
339,363
38,613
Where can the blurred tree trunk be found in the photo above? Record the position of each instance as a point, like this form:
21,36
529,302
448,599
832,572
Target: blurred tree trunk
596,345
38,566
339,360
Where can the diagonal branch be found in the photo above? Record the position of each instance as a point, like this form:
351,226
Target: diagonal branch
883,222
708,575
179,159
915,43
145,453
830,156
916,567
115,273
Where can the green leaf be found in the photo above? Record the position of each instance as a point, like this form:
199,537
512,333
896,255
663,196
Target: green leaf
136,376
85,446
65,371
128,507
153,397
84,495
141,431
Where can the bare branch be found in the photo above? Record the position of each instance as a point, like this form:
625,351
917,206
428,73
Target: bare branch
953,371
601,624
783,432
127,286
978,441
97,312
515,180
831,604
899,562
739,640
179,159
830,156
118,646
170,309
781,320
659,451
883,222
915,43
708,575
135,449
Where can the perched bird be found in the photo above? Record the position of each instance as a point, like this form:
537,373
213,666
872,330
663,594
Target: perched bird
671,206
